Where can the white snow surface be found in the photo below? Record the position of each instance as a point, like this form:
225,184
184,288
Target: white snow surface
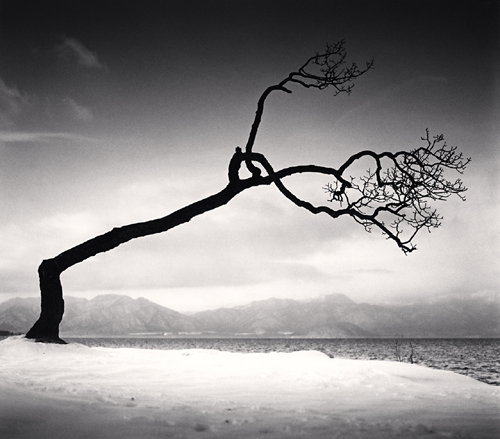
73,391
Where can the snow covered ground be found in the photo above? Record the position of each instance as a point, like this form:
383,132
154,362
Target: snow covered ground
73,391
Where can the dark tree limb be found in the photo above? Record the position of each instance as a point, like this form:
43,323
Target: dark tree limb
324,69
401,190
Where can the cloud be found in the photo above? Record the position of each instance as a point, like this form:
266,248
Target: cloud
80,112
85,57
21,137
12,101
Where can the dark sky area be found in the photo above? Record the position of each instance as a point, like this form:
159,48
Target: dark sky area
113,112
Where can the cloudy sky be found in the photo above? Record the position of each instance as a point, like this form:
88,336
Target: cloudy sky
115,112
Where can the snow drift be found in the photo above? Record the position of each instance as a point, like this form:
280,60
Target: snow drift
63,391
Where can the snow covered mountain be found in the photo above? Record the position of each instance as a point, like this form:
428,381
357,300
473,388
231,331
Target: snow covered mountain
333,316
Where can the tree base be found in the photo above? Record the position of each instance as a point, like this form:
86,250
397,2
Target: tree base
53,340
46,328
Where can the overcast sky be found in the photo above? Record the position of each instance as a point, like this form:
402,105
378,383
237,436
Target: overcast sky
115,112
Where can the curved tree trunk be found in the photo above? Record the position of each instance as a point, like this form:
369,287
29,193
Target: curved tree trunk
46,328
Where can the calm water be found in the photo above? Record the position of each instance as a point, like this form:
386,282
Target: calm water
477,358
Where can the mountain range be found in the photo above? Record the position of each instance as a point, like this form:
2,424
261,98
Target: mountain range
332,316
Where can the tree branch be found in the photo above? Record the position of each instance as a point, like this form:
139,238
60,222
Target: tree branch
401,191
388,198
325,69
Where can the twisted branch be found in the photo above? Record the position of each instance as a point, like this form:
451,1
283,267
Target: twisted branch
393,198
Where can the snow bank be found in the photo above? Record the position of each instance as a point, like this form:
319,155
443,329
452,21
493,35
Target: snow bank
73,391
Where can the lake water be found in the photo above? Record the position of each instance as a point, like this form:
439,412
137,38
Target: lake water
477,358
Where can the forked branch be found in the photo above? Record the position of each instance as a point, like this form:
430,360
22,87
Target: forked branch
325,69
394,197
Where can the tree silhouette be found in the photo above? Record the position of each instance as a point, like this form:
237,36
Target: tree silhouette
392,197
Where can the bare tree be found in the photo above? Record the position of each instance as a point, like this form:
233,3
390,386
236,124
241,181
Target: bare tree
392,195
